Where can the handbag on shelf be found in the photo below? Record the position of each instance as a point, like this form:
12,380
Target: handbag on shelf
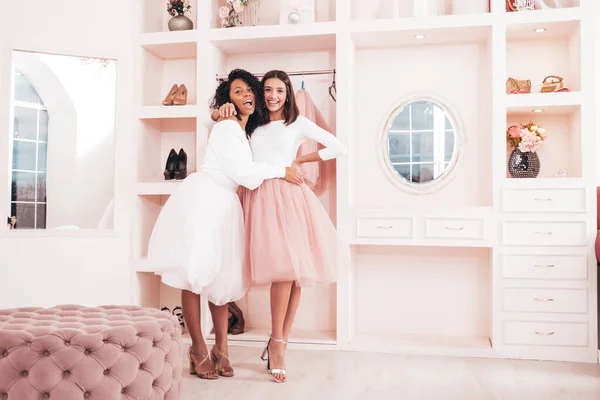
514,86
552,83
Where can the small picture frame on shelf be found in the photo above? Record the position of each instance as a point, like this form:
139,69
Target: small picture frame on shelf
295,12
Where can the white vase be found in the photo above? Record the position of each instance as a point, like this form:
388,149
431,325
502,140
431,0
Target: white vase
470,6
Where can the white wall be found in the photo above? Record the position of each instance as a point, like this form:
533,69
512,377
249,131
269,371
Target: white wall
36,269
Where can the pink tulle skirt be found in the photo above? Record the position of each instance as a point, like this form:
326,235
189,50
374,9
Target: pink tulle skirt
289,236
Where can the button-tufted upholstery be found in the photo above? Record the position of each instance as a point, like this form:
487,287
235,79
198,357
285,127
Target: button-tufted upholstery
103,353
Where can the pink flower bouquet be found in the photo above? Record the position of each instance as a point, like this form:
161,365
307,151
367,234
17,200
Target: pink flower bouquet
526,138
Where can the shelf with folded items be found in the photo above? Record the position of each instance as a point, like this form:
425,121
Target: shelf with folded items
156,140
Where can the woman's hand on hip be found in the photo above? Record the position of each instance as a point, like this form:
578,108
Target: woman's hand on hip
293,175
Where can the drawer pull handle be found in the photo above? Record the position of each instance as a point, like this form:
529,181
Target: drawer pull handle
450,228
385,226
544,333
543,199
545,300
544,266
543,233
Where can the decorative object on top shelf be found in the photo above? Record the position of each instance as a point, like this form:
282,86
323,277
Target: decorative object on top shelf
177,9
420,143
177,96
239,13
552,84
526,140
542,4
524,5
176,166
470,6
514,86
294,12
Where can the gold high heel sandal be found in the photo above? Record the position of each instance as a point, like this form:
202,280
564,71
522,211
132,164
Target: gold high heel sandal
181,96
196,362
217,359
168,101
265,357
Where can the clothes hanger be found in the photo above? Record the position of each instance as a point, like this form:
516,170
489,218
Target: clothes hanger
302,81
332,88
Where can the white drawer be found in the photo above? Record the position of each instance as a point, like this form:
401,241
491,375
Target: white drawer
571,267
454,228
544,200
534,233
385,227
545,333
545,300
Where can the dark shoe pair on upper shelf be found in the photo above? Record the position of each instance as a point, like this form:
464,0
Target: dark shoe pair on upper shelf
177,96
176,167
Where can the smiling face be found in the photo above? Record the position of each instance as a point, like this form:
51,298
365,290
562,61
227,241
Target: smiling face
242,97
275,94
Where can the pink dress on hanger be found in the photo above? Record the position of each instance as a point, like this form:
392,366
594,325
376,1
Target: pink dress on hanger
317,175
289,235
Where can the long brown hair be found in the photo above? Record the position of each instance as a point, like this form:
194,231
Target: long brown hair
290,108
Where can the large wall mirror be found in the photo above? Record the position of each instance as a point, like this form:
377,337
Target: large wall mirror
420,144
62,147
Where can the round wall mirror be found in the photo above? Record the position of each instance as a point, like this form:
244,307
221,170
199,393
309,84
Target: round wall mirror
421,141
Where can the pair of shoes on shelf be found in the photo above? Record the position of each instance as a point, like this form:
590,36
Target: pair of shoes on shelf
178,312
176,167
177,96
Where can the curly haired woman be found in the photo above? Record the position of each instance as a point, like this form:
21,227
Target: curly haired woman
197,242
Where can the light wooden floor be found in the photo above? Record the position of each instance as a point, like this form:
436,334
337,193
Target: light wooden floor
316,375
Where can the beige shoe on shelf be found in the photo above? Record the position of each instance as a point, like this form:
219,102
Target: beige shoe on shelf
169,100
181,96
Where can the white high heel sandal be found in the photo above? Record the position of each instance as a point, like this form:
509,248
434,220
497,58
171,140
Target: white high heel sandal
265,357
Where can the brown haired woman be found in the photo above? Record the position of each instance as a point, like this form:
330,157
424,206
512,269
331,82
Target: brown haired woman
290,240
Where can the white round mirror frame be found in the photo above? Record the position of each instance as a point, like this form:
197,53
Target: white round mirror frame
459,140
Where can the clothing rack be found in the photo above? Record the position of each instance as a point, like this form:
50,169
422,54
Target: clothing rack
221,78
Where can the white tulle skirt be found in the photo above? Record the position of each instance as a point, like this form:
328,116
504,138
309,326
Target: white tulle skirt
197,243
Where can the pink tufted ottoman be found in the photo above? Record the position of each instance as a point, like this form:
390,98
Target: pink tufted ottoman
71,352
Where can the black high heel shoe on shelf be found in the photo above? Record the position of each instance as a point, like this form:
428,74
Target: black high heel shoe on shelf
171,165
181,167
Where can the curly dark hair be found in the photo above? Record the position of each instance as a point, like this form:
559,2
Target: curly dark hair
261,114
